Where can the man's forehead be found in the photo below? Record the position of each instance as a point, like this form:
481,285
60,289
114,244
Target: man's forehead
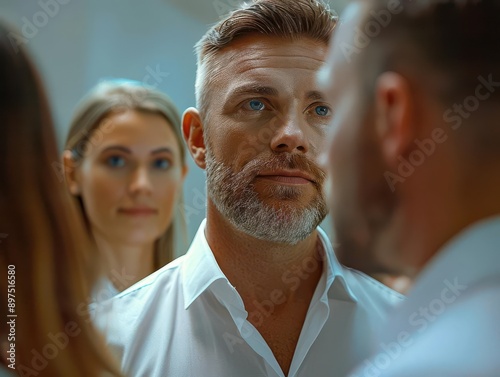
260,51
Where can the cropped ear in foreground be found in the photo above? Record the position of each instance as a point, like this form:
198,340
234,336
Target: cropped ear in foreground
70,173
192,130
394,116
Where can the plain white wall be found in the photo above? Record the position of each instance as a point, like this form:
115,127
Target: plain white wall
76,43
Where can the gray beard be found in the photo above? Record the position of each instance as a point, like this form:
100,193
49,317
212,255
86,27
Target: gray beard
234,196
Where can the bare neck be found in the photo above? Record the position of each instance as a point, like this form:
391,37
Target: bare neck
437,214
256,267
125,264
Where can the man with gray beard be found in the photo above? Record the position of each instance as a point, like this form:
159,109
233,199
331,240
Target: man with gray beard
260,292
234,195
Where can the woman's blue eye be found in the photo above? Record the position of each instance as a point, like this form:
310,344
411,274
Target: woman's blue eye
162,163
115,161
257,105
322,110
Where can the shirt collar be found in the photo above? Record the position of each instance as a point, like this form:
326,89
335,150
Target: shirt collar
200,270
336,282
469,257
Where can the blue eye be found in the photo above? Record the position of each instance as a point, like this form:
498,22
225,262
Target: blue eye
115,161
322,110
162,163
257,105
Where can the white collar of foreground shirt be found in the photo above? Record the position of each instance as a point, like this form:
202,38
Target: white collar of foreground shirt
468,259
200,271
470,256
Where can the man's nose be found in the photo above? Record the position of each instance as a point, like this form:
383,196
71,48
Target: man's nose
289,135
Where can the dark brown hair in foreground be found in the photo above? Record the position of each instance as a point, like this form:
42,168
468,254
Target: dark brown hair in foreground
448,48
43,241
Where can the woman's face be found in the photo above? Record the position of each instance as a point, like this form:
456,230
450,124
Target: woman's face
130,178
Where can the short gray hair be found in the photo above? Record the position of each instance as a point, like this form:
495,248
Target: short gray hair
289,19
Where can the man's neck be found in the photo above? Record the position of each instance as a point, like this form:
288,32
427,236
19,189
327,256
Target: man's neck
258,267
445,211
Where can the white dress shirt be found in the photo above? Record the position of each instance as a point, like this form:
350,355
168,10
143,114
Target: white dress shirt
104,290
450,324
187,319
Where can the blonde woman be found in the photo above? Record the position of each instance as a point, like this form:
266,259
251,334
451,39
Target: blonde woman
45,331
125,166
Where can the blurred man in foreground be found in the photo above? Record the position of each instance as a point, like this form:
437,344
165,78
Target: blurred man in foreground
414,158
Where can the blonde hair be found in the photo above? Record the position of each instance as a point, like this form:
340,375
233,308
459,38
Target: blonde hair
290,19
44,247
118,95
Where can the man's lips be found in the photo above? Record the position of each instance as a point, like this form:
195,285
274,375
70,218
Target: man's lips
295,177
138,211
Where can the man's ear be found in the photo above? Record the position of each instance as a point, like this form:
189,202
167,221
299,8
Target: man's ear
192,130
70,173
394,116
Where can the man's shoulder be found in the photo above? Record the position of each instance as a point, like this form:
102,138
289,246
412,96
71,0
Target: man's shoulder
160,284
166,277
459,340
369,290
463,341
134,309
479,302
